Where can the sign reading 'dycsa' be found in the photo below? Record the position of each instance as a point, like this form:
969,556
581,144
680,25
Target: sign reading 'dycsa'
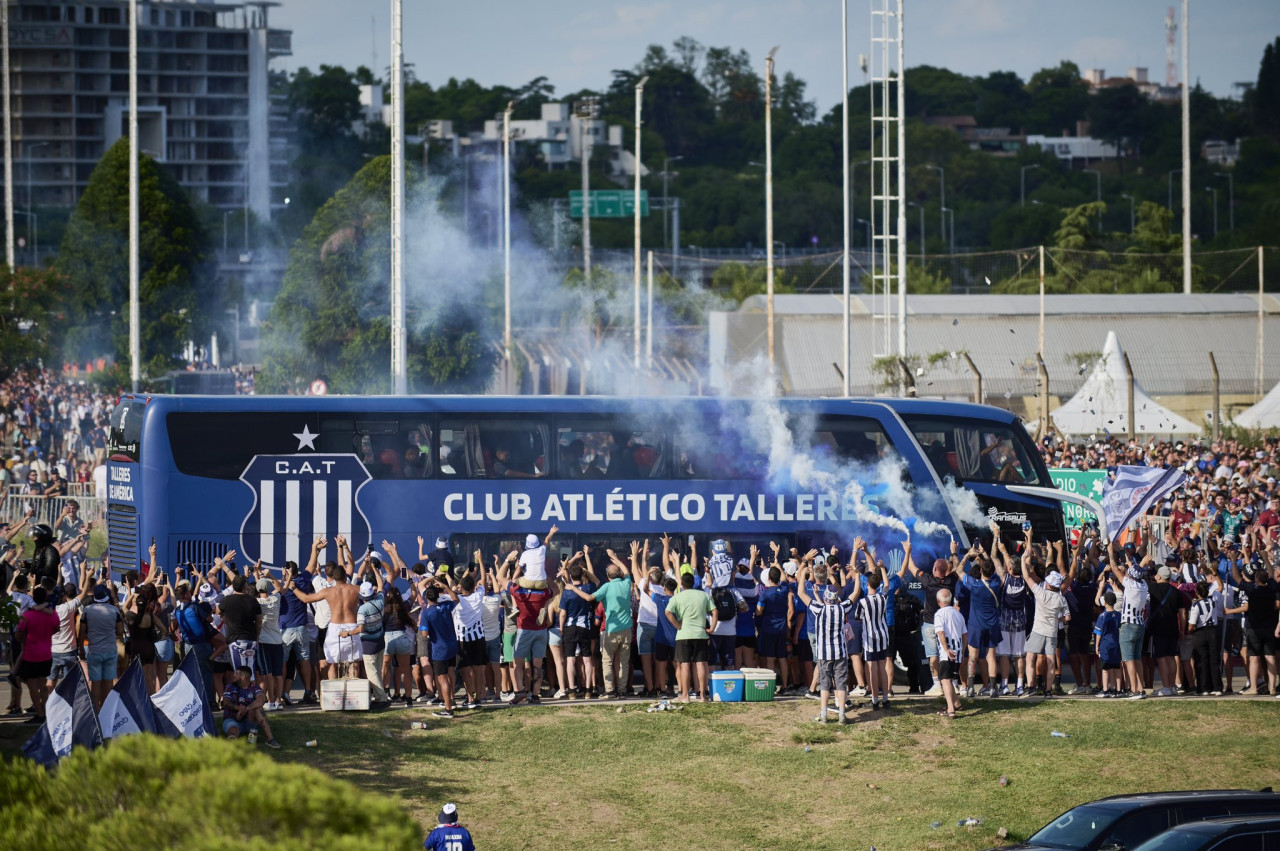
1084,482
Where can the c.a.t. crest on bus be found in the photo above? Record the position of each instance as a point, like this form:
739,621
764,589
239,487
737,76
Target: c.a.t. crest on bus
300,497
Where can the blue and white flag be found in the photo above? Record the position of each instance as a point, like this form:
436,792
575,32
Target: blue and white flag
127,710
69,720
181,708
1133,491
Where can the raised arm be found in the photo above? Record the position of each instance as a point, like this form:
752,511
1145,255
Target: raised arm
908,565
805,574
546,542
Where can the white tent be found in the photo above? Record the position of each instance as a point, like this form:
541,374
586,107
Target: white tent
1265,414
1102,404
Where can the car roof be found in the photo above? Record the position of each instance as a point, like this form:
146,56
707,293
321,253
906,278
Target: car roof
1159,798
1220,826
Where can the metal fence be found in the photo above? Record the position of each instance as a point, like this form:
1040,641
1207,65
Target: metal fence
49,508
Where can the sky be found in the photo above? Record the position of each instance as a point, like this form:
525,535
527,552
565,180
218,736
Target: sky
577,43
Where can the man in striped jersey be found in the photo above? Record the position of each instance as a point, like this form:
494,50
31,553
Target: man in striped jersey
871,613
828,619
1133,619
1013,618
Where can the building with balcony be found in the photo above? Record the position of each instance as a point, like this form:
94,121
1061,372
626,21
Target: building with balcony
205,106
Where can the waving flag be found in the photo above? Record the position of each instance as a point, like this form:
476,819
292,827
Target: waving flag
1133,491
181,707
69,721
127,710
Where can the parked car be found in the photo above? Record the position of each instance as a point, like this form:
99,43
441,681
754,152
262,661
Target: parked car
1123,822
1240,833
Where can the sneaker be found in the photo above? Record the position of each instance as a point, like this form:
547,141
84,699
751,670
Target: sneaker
310,699
935,691
592,694
820,719
273,744
560,695
535,699
1215,694
884,704
1005,690
286,700
1057,690
841,719
506,696
436,701
986,692
1138,695
443,713
861,691
516,699
1081,690
812,695
473,704
1103,694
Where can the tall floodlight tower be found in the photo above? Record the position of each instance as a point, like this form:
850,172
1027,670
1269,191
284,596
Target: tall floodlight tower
887,202
1170,49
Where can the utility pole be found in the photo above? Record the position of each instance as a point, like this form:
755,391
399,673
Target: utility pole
635,357
399,353
8,144
135,322
847,337
586,113
1186,147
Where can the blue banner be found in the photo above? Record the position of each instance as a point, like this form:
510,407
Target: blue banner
127,709
69,722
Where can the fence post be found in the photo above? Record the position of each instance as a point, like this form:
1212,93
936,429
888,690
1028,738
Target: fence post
977,379
1128,374
1043,428
1217,410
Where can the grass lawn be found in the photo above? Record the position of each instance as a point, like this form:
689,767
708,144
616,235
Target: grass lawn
738,776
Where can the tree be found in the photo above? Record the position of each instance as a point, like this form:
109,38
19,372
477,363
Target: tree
1078,230
199,794
176,300
33,324
1264,100
1059,98
332,316
1116,115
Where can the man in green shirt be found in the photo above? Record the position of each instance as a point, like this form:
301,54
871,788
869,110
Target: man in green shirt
688,612
615,648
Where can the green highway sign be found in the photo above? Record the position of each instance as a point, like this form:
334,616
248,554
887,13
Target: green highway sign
610,203
1084,482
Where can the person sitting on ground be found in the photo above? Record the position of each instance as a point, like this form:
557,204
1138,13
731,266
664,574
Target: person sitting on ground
448,835
242,703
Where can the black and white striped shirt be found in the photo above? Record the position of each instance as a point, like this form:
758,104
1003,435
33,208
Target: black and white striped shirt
828,631
1134,608
875,627
1202,614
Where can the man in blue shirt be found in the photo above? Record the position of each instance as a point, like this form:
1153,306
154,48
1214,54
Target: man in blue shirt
773,613
293,628
448,835
985,596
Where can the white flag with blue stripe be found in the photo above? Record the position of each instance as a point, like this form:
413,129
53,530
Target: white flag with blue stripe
1132,492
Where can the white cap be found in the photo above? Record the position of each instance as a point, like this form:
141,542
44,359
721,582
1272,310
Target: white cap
442,542
531,541
366,589
791,567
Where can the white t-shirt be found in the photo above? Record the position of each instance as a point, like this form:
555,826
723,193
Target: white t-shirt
534,561
323,614
491,616
468,615
270,633
949,625
1135,600
64,640
648,613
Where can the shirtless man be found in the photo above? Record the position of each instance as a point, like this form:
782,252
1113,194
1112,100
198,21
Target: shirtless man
342,643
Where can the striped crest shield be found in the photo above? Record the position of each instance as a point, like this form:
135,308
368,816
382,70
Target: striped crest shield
299,497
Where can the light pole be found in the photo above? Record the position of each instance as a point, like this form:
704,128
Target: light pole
847,339
635,358
586,113
666,161
135,321
868,224
1214,190
1022,183
942,196
951,214
506,231
8,138
921,207
1097,174
1231,198
399,334
768,189
1130,197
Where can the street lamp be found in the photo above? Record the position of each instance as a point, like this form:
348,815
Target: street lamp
1214,190
1022,183
665,212
921,206
868,224
1097,174
942,193
1130,197
768,188
639,100
1231,198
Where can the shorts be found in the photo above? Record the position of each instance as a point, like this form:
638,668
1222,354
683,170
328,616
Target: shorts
399,643
1110,661
102,666
771,646
803,650
296,644
1042,645
440,667
931,641
553,636
337,649
1164,644
271,659
948,670
62,664
722,651
1013,642
854,645
423,642
745,641
508,647
1232,637
493,650
576,641
244,654
1079,642
1131,642
875,655
692,651
473,654
982,640
525,582
1260,642
644,638
229,724
28,670
663,652
219,667
144,649
530,644
833,675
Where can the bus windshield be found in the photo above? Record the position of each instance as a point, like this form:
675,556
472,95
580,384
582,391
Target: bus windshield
977,450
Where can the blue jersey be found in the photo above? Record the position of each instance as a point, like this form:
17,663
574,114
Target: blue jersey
746,586
437,620
1108,631
984,603
666,633
577,611
449,837
772,619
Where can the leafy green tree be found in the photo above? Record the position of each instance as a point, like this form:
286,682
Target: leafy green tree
332,316
1079,228
32,328
1152,232
175,292
1059,98
1264,100
202,794
1116,116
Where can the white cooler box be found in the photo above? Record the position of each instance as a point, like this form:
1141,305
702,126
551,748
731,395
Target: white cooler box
344,695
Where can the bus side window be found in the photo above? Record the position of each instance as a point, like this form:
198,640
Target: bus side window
492,448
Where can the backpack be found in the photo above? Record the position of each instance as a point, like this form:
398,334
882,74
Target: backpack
908,611
194,629
725,603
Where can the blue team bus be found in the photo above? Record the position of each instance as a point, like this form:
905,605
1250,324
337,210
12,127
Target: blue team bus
266,475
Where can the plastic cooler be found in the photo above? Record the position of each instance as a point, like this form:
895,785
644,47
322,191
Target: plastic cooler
759,685
726,686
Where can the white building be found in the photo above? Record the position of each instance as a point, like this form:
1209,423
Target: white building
1071,148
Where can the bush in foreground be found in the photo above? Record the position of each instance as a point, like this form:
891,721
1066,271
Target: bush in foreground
150,792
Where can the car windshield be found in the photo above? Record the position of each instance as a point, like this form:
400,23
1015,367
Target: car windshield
1174,840
1074,828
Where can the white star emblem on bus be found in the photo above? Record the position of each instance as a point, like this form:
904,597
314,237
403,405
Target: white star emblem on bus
306,438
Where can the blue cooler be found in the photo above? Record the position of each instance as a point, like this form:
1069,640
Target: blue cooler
726,686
